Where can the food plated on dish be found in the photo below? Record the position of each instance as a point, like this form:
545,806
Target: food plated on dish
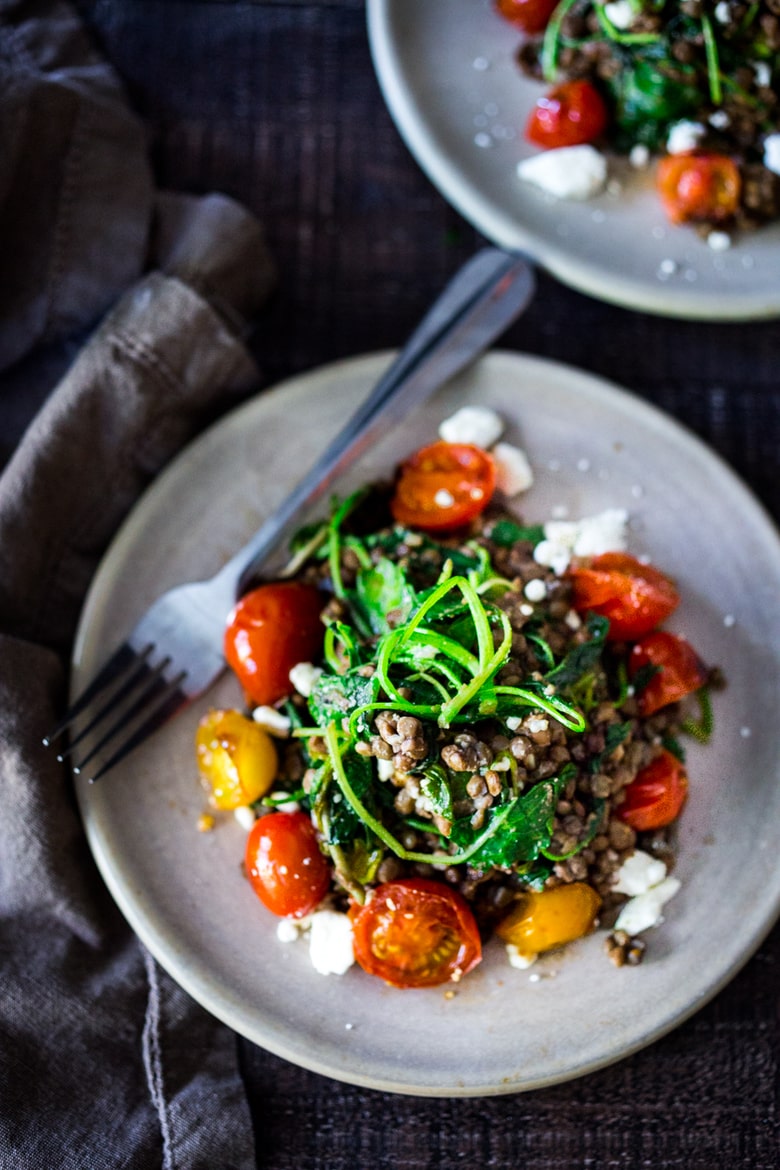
459,724
500,1029
450,76
685,86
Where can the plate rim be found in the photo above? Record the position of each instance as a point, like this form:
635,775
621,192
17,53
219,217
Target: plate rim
221,1005
495,225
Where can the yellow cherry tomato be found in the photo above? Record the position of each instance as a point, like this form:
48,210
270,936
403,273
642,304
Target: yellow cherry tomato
545,919
236,757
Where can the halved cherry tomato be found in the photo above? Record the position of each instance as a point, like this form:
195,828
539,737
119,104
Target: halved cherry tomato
679,670
541,920
288,872
415,933
269,631
635,597
570,114
443,486
654,799
236,757
531,16
698,187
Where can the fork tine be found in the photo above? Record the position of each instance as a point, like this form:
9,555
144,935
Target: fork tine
171,701
118,664
154,686
140,671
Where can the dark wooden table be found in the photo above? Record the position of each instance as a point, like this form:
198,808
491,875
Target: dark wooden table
276,104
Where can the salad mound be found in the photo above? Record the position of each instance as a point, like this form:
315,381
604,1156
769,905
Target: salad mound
690,81
484,739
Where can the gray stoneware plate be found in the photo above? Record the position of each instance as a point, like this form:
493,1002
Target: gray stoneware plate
448,75
592,446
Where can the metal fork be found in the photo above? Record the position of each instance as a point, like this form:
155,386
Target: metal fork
174,653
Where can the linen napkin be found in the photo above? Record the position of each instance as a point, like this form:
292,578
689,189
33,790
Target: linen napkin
104,1061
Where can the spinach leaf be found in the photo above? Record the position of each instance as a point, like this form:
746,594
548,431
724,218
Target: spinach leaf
342,824
522,833
336,696
507,532
382,589
583,657
616,733
435,787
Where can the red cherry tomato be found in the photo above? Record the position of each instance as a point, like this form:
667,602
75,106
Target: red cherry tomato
635,597
654,799
415,933
530,16
288,872
698,187
443,486
571,113
679,670
269,631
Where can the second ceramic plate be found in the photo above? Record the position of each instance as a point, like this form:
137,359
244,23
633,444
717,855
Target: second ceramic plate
592,446
449,77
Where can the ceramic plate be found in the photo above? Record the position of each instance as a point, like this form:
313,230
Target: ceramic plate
592,446
447,71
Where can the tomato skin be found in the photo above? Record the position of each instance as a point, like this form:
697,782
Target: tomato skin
236,757
656,797
698,187
464,474
269,631
543,919
635,597
680,671
402,926
530,16
288,872
570,114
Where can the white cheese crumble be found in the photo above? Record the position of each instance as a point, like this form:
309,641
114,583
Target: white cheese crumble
281,805
719,241
588,537
719,120
385,769
639,156
762,71
639,873
772,153
245,816
513,722
722,12
516,959
569,172
478,425
535,590
272,721
303,677
644,911
620,13
684,136
513,470
330,942
287,930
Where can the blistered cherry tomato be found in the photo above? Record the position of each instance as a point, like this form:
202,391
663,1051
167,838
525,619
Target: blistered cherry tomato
415,933
288,872
543,919
530,16
679,671
443,486
654,799
698,187
269,631
571,114
236,757
635,597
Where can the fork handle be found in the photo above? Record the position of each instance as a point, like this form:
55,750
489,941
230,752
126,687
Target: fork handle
483,298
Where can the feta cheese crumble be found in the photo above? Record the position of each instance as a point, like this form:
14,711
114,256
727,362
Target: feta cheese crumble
568,172
620,13
303,677
684,136
272,721
478,425
521,961
588,537
772,153
245,816
513,470
330,942
644,879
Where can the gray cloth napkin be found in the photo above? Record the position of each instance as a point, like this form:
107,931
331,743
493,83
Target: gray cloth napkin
104,1061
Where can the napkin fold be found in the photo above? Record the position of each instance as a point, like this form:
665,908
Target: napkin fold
104,1062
